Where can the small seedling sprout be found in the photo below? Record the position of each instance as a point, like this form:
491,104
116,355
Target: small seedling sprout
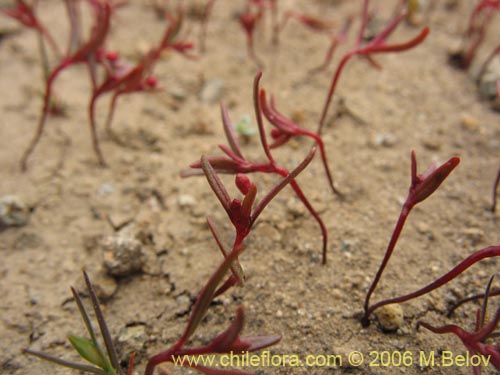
105,363
421,187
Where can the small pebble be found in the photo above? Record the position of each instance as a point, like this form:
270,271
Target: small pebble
122,255
177,93
105,189
390,317
186,201
384,140
13,211
470,123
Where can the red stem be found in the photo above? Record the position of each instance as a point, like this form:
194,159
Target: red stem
332,90
43,117
405,211
495,188
488,252
321,146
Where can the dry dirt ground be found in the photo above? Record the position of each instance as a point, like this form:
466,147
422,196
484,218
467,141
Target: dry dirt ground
416,102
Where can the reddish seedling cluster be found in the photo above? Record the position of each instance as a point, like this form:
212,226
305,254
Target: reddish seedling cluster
235,162
242,215
25,14
119,77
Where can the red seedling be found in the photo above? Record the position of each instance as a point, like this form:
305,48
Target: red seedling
475,34
243,216
25,14
171,40
375,46
477,342
248,20
235,162
421,187
335,41
122,79
321,26
87,53
286,129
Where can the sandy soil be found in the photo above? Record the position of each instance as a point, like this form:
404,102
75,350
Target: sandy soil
416,102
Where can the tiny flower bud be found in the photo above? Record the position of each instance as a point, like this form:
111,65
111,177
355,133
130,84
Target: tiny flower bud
243,183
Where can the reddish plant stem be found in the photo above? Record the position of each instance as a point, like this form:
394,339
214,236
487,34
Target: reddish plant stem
405,211
488,252
41,122
495,189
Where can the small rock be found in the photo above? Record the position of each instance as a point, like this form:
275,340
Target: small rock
470,123
13,211
183,304
279,314
177,93
122,255
390,317
350,245
212,91
186,201
106,189
384,140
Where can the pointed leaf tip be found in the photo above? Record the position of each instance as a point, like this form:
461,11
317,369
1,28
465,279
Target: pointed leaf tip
88,351
422,186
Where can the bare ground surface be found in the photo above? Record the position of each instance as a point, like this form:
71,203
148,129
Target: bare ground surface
416,102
